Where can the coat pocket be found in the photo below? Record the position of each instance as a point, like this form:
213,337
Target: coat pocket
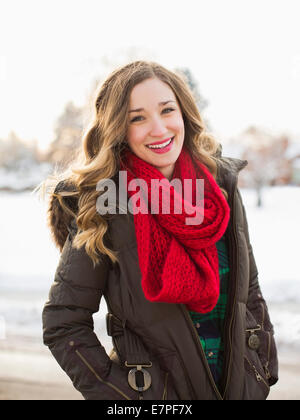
256,386
268,356
256,358
170,392
262,341
96,383
114,389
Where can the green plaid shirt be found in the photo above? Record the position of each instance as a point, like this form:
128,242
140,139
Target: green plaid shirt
210,325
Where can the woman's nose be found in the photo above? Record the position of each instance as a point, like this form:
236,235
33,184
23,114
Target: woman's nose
158,128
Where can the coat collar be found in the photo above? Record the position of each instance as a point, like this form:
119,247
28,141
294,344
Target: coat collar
228,168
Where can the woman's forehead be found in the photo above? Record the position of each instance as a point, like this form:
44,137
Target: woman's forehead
152,92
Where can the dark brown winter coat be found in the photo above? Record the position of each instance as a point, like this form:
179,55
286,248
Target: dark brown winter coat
164,332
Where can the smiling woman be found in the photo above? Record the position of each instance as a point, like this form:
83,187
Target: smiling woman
156,129
183,298
127,115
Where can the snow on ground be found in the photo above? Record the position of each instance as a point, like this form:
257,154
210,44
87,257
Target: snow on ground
29,260
274,232
28,263
26,175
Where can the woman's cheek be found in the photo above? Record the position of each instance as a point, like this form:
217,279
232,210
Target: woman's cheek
137,136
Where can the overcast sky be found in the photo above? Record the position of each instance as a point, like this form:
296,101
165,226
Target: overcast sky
244,54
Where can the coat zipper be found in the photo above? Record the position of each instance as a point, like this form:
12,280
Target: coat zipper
203,357
228,370
234,282
165,393
266,365
98,377
258,376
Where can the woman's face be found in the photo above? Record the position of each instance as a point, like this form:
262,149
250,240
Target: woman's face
156,127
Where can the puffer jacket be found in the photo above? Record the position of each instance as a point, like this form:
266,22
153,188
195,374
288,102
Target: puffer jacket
159,335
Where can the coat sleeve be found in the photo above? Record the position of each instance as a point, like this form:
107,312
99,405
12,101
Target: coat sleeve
257,306
68,328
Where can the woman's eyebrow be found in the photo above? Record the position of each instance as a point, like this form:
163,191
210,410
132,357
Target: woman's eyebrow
160,104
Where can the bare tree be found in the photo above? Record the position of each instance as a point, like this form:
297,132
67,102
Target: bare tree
267,164
15,154
68,134
201,102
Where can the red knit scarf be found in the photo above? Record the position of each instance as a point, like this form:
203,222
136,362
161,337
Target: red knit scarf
178,261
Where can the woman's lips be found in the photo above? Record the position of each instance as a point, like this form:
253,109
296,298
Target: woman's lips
160,150
159,142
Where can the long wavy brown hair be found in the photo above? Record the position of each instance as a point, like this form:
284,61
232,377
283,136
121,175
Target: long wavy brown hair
105,140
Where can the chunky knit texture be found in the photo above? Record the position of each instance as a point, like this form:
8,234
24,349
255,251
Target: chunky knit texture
178,261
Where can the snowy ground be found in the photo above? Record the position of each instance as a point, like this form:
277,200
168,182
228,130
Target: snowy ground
29,260
28,264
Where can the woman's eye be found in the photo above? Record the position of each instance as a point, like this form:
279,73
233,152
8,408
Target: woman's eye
139,118
167,110
135,119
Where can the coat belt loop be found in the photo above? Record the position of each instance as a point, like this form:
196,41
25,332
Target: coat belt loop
136,356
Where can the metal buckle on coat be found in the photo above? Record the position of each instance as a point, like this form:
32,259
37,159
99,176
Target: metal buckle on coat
138,378
253,340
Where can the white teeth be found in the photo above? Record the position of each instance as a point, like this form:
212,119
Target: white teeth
160,146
